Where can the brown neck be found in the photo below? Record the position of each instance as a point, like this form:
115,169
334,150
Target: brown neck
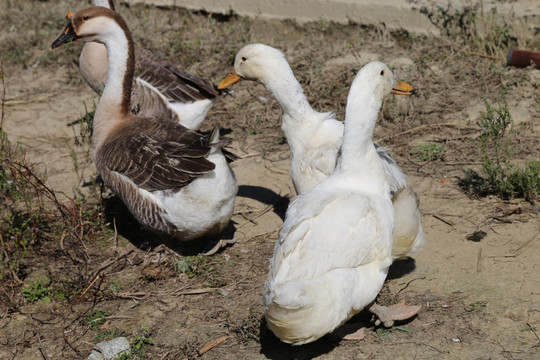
127,84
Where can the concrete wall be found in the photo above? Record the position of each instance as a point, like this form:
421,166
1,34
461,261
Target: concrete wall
396,14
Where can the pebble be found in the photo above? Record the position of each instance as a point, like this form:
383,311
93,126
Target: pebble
108,350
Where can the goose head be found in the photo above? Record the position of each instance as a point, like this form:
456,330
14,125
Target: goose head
91,24
257,62
376,80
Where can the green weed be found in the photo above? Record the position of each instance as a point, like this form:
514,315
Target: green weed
202,266
487,32
479,305
501,176
37,291
139,345
383,333
96,318
386,334
429,152
115,287
106,335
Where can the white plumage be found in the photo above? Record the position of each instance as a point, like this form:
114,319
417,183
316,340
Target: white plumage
335,246
315,138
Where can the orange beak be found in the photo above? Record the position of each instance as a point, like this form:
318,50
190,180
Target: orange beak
402,88
231,79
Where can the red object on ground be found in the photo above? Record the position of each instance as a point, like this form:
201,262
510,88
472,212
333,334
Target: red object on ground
522,58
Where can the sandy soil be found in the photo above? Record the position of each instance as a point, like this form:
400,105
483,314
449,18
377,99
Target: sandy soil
480,299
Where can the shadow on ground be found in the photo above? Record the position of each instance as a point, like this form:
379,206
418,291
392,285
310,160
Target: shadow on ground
401,267
120,218
265,196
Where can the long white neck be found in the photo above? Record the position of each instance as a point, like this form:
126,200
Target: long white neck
298,115
105,3
114,104
358,155
288,92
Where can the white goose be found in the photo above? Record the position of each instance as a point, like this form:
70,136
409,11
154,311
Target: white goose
173,180
315,139
163,90
335,246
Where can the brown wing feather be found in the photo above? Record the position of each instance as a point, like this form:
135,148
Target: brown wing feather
147,102
158,154
174,83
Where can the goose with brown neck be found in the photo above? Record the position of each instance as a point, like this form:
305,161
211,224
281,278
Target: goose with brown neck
315,139
175,181
162,89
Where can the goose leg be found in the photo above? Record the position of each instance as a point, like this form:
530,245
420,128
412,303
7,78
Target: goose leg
219,245
399,311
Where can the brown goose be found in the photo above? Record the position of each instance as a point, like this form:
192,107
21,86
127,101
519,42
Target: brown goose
163,90
175,181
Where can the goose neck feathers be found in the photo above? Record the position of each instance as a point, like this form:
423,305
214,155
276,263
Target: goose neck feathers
109,4
373,82
268,65
114,109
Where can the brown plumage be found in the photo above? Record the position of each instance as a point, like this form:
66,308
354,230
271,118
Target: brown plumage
157,154
163,89
174,180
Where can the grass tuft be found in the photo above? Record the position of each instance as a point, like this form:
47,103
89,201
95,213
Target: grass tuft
501,176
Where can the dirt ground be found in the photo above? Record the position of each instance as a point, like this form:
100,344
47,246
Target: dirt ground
480,298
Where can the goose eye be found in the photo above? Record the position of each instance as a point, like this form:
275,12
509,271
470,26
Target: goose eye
85,17
382,72
244,58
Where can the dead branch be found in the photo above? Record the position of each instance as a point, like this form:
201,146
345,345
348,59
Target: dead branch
407,285
110,262
212,344
443,220
133,296
524,247
3,100
479,261
534,331
482,55
195,291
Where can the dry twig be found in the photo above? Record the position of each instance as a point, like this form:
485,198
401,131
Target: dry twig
479,260
441,219
212,344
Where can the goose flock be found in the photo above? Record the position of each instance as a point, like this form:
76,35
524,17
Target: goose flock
354,213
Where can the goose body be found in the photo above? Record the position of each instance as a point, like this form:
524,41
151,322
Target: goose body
335,246
161,89
175,181
315,138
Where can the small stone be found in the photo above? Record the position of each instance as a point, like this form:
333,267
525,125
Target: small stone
456,340
108,350
223,292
